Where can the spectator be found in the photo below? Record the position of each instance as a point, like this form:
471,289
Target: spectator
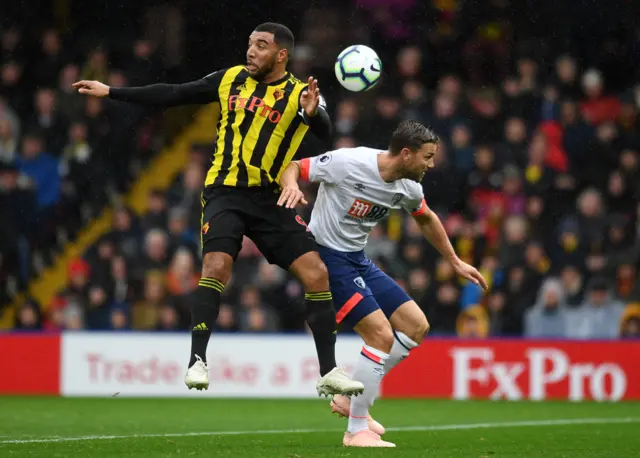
125,233
49,121
630,323
573,285
8,142
70,104
42,169
576,135
168,319
96,67
17,211
13,88
156,216
145,314
97,314
548,317
461,151
514,150
255,315
119,320
566,77
52,58
473,323
156,252
180,235
598,108
182,281
599,317
226,319
122,286
29,318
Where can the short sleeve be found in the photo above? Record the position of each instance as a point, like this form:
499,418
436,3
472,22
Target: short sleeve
331,167
415,203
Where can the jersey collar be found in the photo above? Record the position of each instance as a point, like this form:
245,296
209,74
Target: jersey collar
286,76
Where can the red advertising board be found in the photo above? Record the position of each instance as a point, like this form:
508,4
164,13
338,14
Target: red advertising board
90,364
518,369
29,364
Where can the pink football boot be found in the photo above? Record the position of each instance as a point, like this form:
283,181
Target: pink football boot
341,404
365,438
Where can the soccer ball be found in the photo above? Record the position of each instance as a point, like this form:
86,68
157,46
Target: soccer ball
358,68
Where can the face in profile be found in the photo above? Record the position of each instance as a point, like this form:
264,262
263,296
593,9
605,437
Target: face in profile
263,54
417,163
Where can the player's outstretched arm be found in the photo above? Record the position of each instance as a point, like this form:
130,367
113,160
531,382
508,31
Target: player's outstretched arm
201,91
291,194
434,232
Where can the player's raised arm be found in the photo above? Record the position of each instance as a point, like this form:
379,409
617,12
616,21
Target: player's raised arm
314,110
202,91
433,230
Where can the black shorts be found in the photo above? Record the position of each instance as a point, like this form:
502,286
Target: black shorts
229,213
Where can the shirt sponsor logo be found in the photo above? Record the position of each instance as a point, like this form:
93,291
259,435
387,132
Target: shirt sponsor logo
255,105
363,210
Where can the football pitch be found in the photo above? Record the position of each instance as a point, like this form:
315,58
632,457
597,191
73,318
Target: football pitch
119,427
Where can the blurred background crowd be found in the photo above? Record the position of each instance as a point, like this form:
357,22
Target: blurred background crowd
537,178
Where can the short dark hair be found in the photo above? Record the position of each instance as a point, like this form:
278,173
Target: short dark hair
282,35
411,134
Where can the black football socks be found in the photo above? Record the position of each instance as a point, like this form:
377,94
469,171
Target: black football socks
204,314
321,318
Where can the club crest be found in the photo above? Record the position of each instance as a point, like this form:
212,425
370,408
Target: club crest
397,197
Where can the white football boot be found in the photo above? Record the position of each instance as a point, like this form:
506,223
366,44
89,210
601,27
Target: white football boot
198,375
338,382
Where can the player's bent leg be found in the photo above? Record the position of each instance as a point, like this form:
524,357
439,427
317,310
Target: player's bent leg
319,310
410,326
321,318
216,270
376,332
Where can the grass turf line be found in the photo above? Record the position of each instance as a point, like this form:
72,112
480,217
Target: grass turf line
419,428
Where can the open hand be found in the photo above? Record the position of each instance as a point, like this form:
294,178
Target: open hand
290,197
95,88
310,97
470,273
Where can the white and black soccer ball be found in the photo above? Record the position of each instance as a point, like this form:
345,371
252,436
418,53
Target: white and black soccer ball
358,68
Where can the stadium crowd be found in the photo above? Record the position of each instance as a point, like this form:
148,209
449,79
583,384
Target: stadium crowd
537,177
62,156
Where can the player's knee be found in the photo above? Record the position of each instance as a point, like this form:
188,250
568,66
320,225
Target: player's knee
379,336
420,328
218,266
315,277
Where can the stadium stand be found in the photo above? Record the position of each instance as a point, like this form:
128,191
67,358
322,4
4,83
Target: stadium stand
537,181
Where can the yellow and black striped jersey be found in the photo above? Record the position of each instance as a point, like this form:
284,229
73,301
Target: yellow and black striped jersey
260,128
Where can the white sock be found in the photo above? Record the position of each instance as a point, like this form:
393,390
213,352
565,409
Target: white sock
402,345
369,371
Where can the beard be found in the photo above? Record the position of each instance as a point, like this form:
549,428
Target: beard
261,73
414,176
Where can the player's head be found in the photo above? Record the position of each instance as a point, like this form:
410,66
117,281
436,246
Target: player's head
270,45
415,146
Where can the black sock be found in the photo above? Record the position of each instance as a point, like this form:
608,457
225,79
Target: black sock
321,317
204,314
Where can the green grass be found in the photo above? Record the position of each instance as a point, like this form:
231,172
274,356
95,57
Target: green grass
54,421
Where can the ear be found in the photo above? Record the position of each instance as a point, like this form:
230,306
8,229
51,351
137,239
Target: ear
406,153
283,55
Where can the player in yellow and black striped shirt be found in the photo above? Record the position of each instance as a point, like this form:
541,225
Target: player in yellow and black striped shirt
265,113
